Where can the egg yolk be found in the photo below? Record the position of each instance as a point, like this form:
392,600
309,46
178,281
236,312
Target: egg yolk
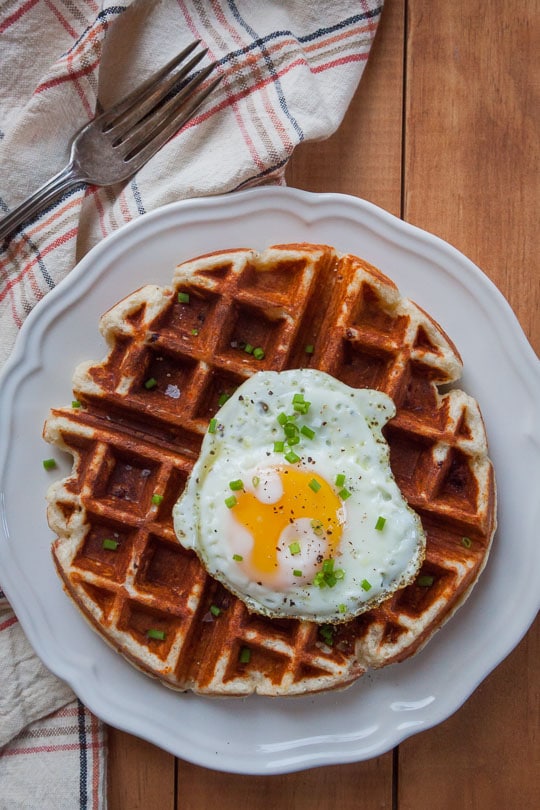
304,495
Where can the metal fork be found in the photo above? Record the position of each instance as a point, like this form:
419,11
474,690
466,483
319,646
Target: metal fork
115,144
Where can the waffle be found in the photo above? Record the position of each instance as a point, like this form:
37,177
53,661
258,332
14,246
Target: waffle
137,427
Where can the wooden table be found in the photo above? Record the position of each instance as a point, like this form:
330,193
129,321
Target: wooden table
442,133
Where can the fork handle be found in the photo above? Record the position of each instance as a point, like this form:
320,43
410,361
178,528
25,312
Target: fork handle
35,203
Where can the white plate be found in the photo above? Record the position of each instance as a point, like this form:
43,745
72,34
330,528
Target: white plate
259,735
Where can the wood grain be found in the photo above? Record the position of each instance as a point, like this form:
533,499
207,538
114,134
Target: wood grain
471,176
443,132
366,785
140,776
471,138
364,157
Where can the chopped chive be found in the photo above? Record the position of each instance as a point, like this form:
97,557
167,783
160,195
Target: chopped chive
342,608
49,463
237,557
291,457
379,526
290,429
195,332
314,485
245,655
292,440
223,398
258,353
248,348
75,403
214,610
318,580
317,527
151,382
110,544
236,485
255,480
212,426
328,566
283,419
294,548
297,573
230,501
183,298
340,480
425,581
310,348
157,634
298,398
344,494
327,576
326,632
366,586
307,431
157,499
301,407
466,541
279,447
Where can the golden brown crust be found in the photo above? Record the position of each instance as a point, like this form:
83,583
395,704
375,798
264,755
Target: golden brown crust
130,441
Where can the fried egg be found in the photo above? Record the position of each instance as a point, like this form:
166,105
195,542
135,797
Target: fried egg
292,504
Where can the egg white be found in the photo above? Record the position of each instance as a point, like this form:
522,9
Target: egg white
371,562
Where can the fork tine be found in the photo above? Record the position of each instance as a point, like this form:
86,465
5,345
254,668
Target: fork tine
109,117
150,128
128,121
99,155
143,150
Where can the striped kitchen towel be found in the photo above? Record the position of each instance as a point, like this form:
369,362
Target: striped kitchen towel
289,71
52,749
